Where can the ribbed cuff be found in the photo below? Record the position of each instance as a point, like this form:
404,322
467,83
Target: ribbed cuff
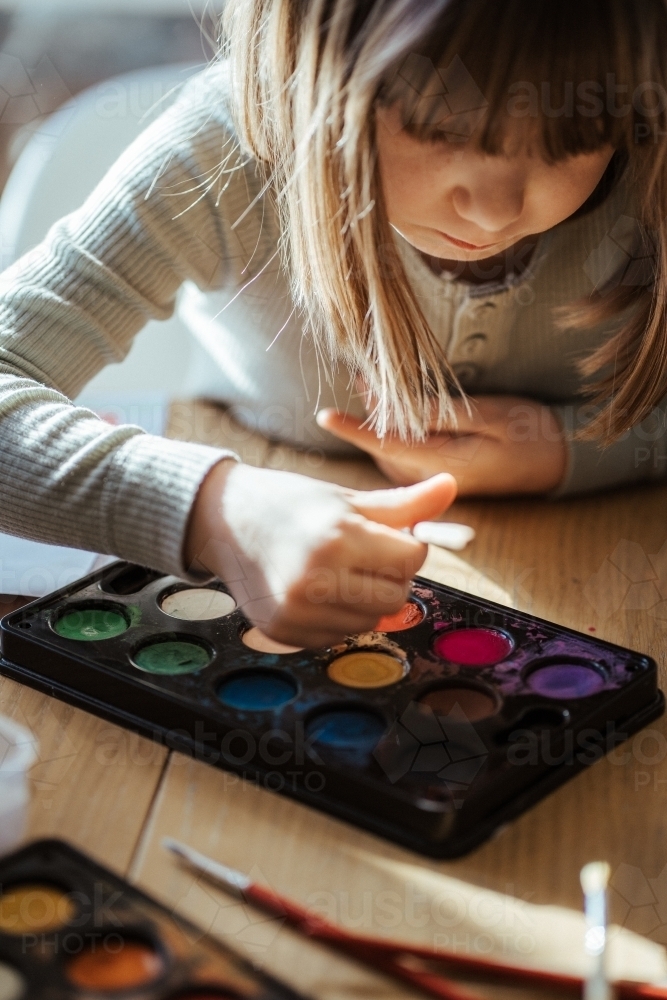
633,459
149,494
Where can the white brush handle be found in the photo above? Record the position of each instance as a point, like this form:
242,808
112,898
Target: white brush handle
594,878
445,534
232,880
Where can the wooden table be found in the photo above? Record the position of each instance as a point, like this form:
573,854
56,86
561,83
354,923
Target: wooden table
583,562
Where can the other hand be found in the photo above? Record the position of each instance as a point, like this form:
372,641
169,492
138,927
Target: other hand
506,445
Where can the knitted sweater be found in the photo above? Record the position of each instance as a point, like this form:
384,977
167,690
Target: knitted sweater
182,205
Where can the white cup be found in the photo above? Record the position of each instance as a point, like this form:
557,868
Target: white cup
18,752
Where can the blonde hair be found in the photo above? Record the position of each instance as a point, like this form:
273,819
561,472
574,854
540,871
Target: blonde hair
307,77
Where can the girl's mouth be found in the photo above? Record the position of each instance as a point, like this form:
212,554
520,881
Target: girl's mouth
464,245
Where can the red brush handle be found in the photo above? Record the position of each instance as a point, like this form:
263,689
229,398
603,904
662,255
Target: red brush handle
361,948
386,955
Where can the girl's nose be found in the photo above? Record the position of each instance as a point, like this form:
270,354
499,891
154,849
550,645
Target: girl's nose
491,206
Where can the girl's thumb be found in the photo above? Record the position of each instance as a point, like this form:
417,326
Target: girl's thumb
405,506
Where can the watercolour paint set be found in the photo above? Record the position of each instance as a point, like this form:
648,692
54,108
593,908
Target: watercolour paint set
452,717
70,928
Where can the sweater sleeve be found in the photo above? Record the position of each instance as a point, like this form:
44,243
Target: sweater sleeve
640,455
164,214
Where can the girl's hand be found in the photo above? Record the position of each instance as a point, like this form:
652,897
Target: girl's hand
507,445
307,561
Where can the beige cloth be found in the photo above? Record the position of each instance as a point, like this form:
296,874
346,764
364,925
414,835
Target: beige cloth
497,927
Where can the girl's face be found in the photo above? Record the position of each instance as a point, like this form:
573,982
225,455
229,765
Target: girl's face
451,201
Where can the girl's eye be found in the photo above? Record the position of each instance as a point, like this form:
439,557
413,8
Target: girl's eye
439,139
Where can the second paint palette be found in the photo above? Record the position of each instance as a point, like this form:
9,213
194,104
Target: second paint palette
451,718
72,930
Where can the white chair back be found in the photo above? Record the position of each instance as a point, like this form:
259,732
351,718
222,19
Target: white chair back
59,166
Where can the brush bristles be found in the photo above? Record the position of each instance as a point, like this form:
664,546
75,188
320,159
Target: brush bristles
594,876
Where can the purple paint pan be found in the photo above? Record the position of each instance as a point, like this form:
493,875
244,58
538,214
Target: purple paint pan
565,680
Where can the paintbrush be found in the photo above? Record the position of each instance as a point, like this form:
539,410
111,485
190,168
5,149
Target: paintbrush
594,878
416,964
376,953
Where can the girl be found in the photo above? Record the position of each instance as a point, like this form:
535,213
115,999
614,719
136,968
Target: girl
445,218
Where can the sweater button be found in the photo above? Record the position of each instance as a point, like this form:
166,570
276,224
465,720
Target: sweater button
484,308
473,344
465,372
